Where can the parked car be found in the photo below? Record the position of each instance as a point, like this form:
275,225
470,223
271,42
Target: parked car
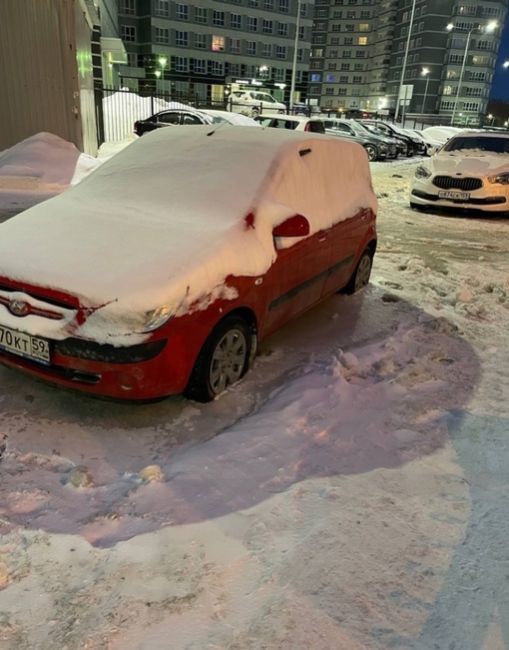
397,146
291,122
254,102
431,145
470,171
377,147
159,272
414,146
189,117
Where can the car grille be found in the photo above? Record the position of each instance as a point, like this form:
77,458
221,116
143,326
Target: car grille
452,183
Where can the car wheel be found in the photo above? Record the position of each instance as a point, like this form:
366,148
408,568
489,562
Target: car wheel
371,151
361,275
255,112
223,360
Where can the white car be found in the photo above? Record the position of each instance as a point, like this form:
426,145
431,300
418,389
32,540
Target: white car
471,172
254,102
432,145
236,119
291,122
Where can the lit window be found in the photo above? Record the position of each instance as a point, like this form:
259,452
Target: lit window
218,43
362,40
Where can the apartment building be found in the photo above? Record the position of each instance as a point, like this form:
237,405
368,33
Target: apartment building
202,46
358,51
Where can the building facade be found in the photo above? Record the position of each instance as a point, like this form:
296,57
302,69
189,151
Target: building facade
358,52
203,46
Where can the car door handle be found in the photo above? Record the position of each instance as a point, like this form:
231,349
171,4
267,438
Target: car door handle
322,239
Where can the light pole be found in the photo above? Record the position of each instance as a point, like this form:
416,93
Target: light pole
405,59
295,48
488,28
425,73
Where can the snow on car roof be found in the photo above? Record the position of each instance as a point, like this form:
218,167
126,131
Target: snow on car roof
164,220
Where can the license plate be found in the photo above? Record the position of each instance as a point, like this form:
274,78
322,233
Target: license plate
24,345
455,196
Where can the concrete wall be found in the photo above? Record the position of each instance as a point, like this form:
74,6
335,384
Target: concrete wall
42,88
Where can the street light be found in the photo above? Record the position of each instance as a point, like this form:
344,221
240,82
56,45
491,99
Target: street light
506,64
488,29
405,59
294,63
425,73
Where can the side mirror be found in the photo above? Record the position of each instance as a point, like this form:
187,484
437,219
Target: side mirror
296,226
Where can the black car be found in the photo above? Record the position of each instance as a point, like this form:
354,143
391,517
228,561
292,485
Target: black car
171,117
377,147
412,144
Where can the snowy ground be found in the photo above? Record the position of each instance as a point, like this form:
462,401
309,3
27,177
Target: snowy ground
350,494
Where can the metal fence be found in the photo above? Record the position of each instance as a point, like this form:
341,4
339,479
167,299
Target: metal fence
117,109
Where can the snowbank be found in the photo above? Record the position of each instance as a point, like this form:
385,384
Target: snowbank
41,163
162,223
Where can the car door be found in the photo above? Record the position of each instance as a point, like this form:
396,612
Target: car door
296,280
346,238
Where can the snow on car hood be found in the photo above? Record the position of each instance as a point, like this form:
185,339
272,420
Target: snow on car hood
163,222
479,163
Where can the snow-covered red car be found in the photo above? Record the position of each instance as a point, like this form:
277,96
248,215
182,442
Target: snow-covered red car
159,272
471,171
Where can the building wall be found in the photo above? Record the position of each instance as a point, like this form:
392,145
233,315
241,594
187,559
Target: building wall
39,72
345,74
207,43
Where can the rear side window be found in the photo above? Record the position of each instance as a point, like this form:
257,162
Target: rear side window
191,119
315,126
169,118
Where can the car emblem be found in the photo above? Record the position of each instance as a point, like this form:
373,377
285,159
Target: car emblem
18,307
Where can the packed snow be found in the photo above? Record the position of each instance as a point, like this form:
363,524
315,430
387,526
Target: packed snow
159,225
348,494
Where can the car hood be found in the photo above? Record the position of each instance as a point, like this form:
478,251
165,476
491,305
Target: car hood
474,163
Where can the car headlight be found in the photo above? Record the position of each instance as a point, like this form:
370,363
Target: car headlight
499,179
422,172
156,317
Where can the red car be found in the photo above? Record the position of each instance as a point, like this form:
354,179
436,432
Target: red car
159,273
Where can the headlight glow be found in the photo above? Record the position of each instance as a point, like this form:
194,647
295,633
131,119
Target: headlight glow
499,179
156,318
422,172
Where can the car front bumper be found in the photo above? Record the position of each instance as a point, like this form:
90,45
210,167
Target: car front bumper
140,372
489,198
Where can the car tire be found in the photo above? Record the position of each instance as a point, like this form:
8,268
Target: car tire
360,277
255,112
224,359
371,151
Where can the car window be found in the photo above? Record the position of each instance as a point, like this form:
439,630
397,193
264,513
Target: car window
284,124
187,118
315,126
265,97
265,121
169,118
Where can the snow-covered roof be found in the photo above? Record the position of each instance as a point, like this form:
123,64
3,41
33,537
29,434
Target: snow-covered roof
164,218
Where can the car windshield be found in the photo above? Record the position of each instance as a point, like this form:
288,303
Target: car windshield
478,143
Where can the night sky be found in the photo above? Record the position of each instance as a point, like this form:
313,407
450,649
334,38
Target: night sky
500,89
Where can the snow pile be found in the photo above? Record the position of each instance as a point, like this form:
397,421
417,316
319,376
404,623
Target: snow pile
163,222
440,133
41,163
